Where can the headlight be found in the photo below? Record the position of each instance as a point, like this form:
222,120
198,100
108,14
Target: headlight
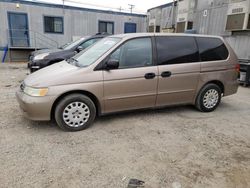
35,92
40,56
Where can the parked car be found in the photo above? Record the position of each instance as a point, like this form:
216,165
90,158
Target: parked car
128,72
45,57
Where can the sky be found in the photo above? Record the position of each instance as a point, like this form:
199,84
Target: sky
141,6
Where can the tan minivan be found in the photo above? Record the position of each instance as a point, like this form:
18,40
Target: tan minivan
131,71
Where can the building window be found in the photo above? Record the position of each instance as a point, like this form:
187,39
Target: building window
151,29
157,29
106,27
53,24
190,25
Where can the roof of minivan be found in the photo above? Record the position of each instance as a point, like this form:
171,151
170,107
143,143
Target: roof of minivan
134,35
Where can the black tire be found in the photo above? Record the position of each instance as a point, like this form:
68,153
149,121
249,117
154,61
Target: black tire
70,100
32,70
201,104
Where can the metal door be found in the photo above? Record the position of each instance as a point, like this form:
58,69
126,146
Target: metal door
130,28
179,70
134,84
18,29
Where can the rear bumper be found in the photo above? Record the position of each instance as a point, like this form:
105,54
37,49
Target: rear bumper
35,108
231,88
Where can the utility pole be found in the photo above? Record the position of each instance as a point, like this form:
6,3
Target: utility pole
173,14
63,6
120,9
131,7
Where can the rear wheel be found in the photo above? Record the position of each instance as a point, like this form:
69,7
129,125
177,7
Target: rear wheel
75,112
208,98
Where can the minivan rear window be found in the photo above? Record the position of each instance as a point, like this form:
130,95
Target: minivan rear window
176,49
211,49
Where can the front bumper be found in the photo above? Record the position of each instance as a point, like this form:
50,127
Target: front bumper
35,108
36,65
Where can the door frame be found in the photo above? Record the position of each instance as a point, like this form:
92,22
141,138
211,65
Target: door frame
107,21
10,29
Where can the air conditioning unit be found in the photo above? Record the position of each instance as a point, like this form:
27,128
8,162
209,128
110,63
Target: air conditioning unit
238,15
185,15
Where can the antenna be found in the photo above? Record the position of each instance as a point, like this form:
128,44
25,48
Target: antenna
131,7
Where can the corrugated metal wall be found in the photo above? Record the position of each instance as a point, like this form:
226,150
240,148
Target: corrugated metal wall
167,17
213,22
210,18
240,44
157,15
164,16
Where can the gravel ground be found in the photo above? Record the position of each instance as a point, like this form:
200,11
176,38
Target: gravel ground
177,147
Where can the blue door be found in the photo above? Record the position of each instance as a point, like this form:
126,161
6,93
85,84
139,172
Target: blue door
130,28
18,29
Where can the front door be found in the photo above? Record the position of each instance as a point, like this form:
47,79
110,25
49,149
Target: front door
179,69
18,29
133,85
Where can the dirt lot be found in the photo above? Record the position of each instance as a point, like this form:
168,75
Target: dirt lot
177,147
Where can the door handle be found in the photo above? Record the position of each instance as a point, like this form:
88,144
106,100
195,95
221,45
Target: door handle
149,75
166,74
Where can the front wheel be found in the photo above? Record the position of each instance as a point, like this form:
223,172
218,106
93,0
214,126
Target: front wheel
208,98
75,112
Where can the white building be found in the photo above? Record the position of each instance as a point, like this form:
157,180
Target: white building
29,25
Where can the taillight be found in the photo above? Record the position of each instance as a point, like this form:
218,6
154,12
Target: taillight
237,68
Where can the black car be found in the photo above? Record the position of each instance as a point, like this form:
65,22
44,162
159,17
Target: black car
42,58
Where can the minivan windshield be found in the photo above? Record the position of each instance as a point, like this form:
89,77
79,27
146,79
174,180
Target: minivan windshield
91,54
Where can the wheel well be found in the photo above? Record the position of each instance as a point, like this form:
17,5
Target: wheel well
218,83
88,94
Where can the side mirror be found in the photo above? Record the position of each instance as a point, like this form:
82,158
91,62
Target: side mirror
79,48
112,64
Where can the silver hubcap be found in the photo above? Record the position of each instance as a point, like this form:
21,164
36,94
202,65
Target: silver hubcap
211,98
76,114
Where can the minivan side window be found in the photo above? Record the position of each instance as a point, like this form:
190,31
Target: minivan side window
134,53
211,49
176,49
